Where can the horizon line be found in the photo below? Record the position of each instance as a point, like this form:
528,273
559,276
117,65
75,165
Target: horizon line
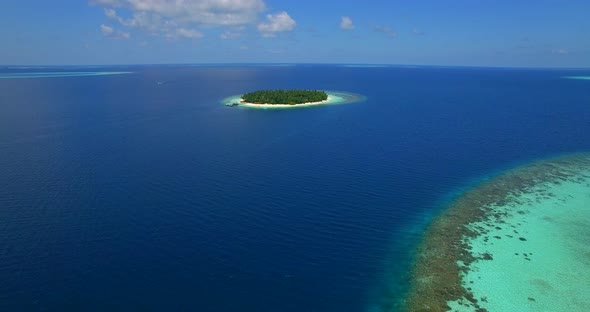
23,66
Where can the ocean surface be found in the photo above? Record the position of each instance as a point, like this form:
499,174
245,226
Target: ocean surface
135,188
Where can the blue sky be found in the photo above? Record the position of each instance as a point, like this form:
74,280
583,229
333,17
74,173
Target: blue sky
540,33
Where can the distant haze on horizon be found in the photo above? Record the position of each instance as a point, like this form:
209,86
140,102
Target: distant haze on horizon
502,33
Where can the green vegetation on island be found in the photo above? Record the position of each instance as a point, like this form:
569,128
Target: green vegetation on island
292,97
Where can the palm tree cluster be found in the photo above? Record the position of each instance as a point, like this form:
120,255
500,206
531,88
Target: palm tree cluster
292,97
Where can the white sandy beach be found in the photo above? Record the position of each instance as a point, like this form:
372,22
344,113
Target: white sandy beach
540,256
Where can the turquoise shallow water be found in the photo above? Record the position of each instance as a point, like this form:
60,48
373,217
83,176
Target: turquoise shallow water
578,77
538,251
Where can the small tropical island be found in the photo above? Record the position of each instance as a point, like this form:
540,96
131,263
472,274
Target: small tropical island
285,97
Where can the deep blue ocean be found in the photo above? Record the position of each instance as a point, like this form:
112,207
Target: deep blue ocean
143,192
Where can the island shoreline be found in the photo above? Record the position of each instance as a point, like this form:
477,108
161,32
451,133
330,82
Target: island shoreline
326,101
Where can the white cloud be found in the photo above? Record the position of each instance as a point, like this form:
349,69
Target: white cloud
561,51
182,18
277,23
109,31
346,23
151,23
228,34
203,12
233,33
188,33
106,30
110,13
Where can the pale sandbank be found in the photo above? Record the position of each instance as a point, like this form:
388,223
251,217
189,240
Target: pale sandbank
578,77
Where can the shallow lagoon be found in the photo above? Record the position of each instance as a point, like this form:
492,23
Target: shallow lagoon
578,77
517,242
